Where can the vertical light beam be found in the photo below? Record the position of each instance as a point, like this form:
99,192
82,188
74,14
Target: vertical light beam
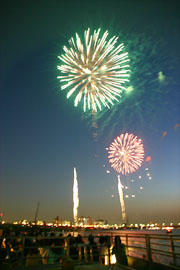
121,198
75,198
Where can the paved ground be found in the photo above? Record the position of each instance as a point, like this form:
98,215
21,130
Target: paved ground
98,267
91,267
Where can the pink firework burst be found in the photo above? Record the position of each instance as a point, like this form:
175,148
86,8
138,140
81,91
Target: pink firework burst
126,153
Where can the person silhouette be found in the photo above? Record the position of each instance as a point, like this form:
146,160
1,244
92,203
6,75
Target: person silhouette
119,250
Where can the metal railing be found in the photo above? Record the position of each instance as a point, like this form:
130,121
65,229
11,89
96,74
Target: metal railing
163,249
158,248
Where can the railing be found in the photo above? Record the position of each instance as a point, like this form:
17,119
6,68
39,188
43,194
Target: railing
163,249
159,248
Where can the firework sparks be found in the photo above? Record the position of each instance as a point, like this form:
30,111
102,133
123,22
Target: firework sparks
126,153
121,198
94,69
75,198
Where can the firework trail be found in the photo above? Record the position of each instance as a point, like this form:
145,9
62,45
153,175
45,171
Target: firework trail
126,154
121,198
75,198
94,69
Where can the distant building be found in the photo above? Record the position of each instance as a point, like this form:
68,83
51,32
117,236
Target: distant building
100,222
85,221
57,221
66,223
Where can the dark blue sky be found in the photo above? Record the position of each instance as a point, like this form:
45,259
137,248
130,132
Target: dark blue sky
43,136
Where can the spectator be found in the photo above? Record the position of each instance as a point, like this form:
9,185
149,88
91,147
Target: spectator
119,250
33,257
92,246
73,251
56,251
102,242
80,245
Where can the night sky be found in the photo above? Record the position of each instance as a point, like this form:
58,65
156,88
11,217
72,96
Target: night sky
43,136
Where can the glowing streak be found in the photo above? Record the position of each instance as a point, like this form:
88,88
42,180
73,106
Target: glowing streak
121,198
75,198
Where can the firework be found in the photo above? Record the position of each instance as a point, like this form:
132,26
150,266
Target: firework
75,198
126,153
121,198
94,69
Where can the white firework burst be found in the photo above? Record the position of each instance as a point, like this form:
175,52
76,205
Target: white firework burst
94,69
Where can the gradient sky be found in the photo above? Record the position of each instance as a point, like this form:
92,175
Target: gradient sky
42,136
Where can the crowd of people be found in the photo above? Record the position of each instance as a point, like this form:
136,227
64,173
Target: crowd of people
42,247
